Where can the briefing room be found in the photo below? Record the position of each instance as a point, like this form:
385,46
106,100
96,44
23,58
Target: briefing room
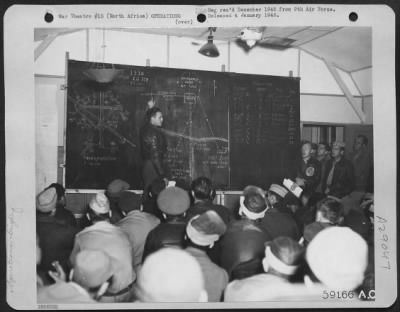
209,164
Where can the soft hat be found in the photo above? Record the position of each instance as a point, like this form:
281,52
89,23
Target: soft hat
92,268
116,187
338,257
129,201
173,201
278,190
206,228
99,204
283,255
46,200
180,273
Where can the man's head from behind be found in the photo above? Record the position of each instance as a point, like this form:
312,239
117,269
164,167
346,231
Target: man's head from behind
173,201
330,210
93,271
253,204
170,275
338,257
46,201
202,189
99,208
283,256
129,201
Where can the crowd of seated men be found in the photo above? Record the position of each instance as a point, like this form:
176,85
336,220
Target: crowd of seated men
175,244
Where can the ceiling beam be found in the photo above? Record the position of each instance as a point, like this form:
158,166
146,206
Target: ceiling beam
361,68
320,36
44,45
355,83
332,69
299,31
38,36
321,58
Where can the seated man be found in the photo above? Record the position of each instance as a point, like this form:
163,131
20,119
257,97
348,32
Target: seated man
150,196
90,278
329,213
61,212
106,237
173,203
170,275
338,258
282,258
113,192
244,239
203,195
202,232
279,219
136,223
56,236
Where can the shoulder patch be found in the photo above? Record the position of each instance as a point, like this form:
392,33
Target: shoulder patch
310,171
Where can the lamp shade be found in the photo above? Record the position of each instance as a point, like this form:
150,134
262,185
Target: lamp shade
209,49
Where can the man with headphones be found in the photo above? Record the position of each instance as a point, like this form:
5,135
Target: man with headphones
244,240
110,239
203,194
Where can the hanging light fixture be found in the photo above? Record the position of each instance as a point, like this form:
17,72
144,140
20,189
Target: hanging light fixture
210,49
102,73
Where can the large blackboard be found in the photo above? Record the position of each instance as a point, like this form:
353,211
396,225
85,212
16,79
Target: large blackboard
264,129
236,129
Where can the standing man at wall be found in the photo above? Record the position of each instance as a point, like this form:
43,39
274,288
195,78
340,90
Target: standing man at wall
339,181
153,145
362,163
308,173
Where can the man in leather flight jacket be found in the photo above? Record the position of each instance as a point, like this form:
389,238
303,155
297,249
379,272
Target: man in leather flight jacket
153,147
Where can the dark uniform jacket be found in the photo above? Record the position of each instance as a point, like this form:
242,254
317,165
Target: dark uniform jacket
168,234
153,146
225,214
342,180
280,222
243,242
56,240
310,171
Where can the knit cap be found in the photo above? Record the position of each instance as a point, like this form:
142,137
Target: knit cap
338,257
99,204
46,200
92,268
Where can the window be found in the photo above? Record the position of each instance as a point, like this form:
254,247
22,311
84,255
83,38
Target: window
322,133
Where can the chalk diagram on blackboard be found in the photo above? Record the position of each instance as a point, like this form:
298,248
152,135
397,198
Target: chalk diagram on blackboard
190,84
102,112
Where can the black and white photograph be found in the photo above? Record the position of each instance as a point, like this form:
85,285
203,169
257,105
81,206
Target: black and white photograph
231,163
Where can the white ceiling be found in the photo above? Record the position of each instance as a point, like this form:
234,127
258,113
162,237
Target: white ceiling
349,48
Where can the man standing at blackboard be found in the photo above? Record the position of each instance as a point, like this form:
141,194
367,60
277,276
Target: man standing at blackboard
153,145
